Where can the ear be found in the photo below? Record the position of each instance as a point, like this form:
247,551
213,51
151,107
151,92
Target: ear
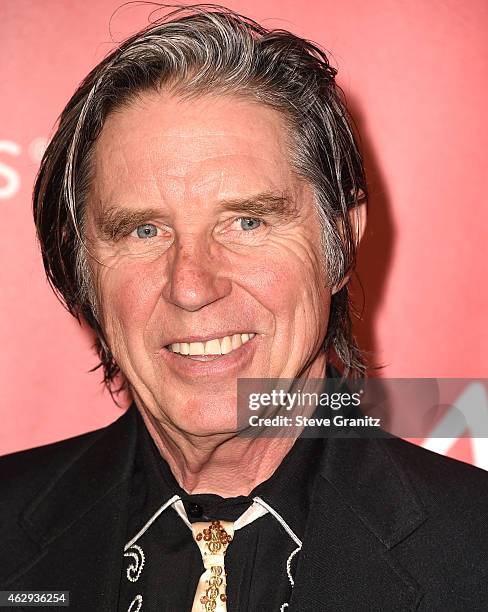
357,219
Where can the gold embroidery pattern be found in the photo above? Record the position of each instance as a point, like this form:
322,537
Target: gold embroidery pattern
215,540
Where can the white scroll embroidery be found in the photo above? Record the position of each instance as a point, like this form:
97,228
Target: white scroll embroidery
137,601
135,568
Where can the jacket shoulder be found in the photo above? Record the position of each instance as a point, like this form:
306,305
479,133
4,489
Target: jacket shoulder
440,477
25,473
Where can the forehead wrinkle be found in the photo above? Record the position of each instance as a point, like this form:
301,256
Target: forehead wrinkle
221,183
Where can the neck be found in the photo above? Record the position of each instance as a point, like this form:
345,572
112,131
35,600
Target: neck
228,467
225,464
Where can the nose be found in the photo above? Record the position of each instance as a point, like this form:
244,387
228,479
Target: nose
194,277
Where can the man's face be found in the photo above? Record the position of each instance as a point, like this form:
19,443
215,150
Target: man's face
207,242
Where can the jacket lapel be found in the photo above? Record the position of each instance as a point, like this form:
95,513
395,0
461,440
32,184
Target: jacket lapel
363,506
71,536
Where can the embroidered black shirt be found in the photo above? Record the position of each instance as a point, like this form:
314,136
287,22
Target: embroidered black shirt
256,560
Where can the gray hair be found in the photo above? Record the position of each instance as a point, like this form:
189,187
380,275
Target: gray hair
193,51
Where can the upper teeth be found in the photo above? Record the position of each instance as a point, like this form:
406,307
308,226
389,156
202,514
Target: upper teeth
216,346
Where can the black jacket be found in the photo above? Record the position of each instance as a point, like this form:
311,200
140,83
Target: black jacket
392,526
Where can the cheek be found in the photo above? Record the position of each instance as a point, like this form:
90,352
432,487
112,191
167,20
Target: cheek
286,281
131,293
268,278
296,292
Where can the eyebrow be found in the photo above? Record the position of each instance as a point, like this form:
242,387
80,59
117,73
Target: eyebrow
114,222
263,205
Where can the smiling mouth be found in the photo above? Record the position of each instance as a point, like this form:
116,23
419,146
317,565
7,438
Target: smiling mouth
211,349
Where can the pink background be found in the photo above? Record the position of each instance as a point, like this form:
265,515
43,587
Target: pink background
415,74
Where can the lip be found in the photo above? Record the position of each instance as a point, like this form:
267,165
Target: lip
225,365
206,337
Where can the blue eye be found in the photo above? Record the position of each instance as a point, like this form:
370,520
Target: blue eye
147,231
248,223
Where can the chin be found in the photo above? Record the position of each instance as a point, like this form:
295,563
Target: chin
206,427
203,417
